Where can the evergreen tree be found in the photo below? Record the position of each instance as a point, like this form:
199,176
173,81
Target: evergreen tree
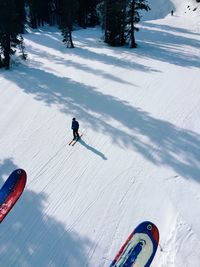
39,12
133,17
120,18
115,14
33,13
10,27
53,14
67,10
22,48
87,13
21,15
82,13
92,16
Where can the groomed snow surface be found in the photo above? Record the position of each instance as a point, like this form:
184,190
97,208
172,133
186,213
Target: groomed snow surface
138,159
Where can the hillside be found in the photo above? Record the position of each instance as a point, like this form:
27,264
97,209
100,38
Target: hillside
139,155
162,8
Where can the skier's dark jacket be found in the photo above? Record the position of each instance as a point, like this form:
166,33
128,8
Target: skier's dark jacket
75,125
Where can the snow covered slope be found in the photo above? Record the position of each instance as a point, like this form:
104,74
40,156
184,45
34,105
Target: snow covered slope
139,157
162,8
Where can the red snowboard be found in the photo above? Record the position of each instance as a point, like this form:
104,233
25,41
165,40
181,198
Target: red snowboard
11,191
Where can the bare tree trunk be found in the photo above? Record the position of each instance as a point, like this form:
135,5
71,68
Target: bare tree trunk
1,63
67,37
69,40
132,34
7,50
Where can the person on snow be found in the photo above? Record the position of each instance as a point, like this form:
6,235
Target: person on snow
75,127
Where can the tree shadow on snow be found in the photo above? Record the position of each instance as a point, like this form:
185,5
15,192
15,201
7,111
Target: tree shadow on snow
78,66
157,140
163,43
173,29
28,237
84,51
6,167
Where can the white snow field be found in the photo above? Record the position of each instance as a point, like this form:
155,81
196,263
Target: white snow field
138,159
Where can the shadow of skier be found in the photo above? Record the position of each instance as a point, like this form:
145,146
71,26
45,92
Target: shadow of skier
92,149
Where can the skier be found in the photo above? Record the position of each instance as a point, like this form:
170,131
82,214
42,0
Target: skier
75,127
172,12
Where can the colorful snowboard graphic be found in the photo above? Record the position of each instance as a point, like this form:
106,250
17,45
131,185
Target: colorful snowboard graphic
140,247
11,191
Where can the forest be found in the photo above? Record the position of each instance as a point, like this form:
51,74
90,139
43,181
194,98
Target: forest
118,20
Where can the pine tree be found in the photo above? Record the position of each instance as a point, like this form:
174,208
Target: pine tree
52,9
92,16
67,11
120,18
10,28
22,48
115,14
87,13
39,12
21,15
82,13
133,17
33,13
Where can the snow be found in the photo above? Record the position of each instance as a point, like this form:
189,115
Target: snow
139,156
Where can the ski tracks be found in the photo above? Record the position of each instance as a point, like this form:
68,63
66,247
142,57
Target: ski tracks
176,244
112,217
181,232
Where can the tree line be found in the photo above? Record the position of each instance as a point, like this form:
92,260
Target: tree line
118,19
